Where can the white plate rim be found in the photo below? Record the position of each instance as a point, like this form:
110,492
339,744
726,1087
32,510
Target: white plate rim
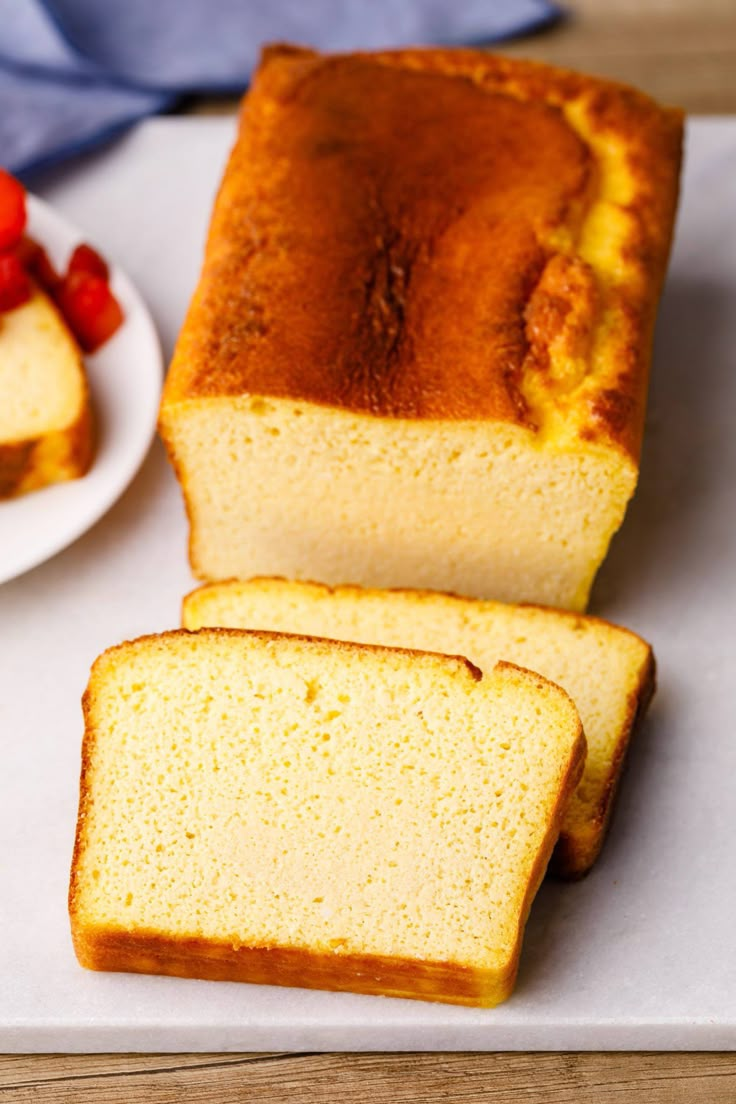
59,236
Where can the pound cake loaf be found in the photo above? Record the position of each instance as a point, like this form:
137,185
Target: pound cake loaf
608,671
46,431
418,351
292,811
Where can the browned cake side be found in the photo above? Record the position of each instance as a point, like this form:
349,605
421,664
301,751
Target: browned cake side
30,464
399,234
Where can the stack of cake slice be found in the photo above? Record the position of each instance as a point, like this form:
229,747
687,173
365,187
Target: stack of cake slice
304,810
608,671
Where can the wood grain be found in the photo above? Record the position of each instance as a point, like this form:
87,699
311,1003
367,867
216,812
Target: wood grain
682,52
382,1079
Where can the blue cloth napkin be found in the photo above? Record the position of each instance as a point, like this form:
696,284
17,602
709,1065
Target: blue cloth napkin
75,72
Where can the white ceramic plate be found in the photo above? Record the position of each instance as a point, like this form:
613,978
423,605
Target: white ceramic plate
125,380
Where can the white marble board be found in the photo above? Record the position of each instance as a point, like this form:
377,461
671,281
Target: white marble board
640,955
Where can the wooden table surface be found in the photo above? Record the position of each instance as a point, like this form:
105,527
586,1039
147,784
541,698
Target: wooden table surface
683,52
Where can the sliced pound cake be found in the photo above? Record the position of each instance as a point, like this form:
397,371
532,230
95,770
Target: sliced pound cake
46,432
608,671
419,348
284,810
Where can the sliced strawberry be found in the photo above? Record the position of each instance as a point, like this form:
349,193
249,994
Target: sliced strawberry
12,210
34,259
15,287
86,259
90,309
44,272
27,251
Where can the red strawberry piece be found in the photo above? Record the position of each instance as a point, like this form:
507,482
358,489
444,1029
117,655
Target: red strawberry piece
34,259
90,309
15,287
43,271
27,251
12,210
86,259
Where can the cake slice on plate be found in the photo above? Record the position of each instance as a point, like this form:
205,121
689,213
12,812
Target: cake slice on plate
46,427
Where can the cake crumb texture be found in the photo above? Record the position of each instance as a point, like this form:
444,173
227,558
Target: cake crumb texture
608,671
288,810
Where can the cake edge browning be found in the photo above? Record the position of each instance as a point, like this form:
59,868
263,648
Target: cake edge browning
418,592
55,457
141,952
116,949
610,410
613,412
577,851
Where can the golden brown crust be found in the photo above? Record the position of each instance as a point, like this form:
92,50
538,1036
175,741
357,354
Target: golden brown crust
82,438
343,645
577,850
153,953
30,464
180,474
335,275
571,782
418,592
15,462
88,740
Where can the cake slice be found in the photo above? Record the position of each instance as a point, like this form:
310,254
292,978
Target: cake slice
419,348
608,671
46,430
293,811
